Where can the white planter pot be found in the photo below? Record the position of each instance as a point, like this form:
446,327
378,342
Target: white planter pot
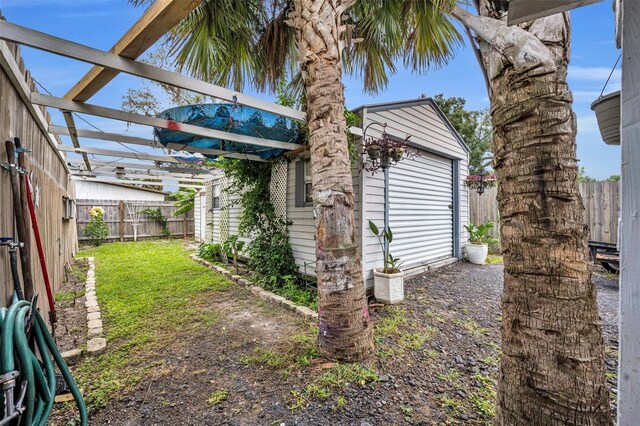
477,253
388,288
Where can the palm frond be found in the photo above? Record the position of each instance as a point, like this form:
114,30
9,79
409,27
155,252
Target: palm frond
431,36
217,42
377,39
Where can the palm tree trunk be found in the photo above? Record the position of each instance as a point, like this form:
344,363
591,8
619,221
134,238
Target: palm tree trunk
552,368
346,332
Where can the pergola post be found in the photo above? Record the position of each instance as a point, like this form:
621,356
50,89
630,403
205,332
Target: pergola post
629,350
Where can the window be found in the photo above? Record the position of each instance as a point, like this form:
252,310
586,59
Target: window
216,197
68,208
308,195
304,195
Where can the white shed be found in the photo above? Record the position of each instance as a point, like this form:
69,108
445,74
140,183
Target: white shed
92,190
426,196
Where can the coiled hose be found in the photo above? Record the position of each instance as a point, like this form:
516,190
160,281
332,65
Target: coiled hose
39,376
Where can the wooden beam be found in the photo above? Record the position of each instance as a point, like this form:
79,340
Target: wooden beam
42,41
134,182
11,68
156,21
134,140
527,10
73,134
629,333
125,154
145,120
151,176
140,166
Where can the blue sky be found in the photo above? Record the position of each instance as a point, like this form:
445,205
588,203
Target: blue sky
100,23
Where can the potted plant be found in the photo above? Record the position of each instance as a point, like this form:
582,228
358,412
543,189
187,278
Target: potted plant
388,282
478,246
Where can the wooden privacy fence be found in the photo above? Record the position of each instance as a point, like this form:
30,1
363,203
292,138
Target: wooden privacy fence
116,216
601,202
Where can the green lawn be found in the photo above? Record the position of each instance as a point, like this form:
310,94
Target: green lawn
148,292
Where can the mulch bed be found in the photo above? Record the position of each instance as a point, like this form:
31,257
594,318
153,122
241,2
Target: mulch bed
71,327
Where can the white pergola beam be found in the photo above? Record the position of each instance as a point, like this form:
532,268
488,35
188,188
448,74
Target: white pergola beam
155,22
28,37
115,114
125,154
107,179
73,134
134,140
141,166
168,176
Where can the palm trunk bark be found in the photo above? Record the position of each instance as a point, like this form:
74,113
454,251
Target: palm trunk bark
552,368
345,328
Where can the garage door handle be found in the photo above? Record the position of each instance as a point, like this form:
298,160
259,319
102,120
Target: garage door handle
450,206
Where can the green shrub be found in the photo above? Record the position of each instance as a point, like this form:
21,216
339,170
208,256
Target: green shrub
210,251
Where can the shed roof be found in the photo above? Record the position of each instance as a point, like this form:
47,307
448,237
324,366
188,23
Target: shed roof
415,102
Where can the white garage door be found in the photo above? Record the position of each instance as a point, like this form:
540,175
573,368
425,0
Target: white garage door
421,209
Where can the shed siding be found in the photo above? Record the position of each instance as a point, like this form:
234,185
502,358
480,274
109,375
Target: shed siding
102,191
422,181
302,230
425,126
421,209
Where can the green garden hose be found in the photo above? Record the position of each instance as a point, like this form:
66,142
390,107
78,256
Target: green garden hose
39,376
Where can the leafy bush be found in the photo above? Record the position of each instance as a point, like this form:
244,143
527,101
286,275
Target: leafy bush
292,288
232,247
96,229
210,252
391,264
478,234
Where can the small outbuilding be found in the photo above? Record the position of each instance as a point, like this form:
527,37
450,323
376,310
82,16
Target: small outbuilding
424,198
93,190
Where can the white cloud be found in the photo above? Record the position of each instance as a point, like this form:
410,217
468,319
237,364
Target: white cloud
587,124
599,74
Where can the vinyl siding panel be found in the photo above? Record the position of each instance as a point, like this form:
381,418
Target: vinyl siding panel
425,126
302,230
420,209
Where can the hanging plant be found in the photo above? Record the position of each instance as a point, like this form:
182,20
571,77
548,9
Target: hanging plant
384,152
481,182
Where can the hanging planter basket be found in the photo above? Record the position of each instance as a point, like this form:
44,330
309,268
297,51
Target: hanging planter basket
607,109
476,181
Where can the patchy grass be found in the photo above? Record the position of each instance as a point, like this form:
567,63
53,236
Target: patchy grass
218,396
390,324
451,377
68,295
494,259
341,403
471,326
149,292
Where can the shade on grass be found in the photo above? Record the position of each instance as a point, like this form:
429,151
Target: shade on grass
149,291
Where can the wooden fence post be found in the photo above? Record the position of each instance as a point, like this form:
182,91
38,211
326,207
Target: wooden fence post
184,225
121,220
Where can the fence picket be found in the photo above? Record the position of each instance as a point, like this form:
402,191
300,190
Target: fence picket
601,203
120,228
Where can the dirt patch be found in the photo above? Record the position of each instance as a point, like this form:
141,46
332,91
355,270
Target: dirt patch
436,361
71,328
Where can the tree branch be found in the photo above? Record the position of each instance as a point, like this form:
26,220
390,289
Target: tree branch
522,49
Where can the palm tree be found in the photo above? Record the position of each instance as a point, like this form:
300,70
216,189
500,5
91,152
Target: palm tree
259,43
552,368
184,200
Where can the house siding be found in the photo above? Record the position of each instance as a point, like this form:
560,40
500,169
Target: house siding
302,231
